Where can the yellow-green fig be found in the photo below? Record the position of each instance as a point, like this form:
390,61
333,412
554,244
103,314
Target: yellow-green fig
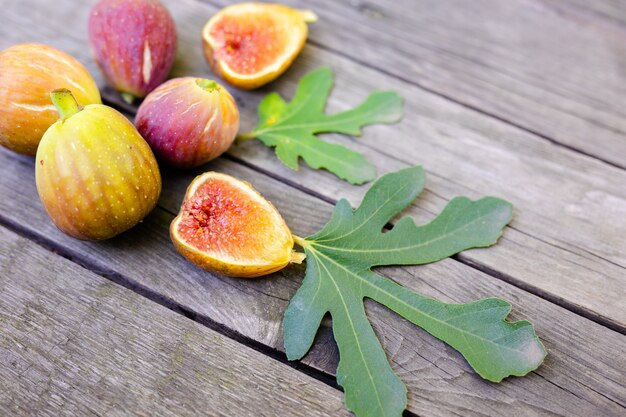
96,176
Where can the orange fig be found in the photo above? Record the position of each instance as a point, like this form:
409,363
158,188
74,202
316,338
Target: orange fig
250,44
28,73
225,226
95,174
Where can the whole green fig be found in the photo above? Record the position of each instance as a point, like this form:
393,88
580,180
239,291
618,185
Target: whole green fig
96,176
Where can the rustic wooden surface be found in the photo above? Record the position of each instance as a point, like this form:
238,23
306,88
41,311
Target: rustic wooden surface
520,99
84,345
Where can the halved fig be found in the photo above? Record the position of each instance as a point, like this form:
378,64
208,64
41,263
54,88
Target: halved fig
225,226
250,44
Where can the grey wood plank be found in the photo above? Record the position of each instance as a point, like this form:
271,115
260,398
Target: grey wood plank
227,301
546,66
73,343
567,204
571,206
565,242
581,376
611,11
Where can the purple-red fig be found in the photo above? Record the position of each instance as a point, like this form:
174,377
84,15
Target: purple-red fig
188,121
134,43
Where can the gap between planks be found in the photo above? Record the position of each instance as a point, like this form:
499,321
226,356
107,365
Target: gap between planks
444,96
576,309
288,184
594,10
129,110
178,308
185,365
27,163
534,288
174,306
167,302
468,106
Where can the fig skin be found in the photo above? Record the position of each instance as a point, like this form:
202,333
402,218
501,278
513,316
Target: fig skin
188,121
134,43
95,174
28,73
251,44
246,236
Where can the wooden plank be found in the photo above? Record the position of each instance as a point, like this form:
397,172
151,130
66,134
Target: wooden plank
545,66
566,240
611,11
581,376
559,195
74,343
570,208
145,257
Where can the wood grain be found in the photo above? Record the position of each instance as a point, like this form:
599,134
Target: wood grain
609,11
566,239
546,66
569,207
73,343
582,374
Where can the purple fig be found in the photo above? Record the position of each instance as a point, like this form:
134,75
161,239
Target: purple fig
134,43
188,121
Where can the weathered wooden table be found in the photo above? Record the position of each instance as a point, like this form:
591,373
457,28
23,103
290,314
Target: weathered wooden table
525,100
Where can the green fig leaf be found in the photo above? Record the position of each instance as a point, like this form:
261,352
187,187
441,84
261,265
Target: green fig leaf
339,277
290,128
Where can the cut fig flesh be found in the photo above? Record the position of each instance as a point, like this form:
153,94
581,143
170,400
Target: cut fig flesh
226,226
250,44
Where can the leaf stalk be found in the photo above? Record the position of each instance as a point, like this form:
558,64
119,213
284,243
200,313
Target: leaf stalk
246,136
303,243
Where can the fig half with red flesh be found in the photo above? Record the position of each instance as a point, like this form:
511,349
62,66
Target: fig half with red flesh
250,44
225,226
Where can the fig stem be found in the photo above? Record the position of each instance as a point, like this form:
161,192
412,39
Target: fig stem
128,97
246,136
65,102
296,257
208,85
308,15
300,241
